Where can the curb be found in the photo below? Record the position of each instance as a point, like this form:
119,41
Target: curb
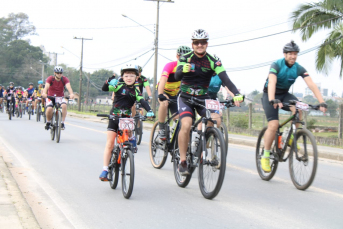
24,211
321,153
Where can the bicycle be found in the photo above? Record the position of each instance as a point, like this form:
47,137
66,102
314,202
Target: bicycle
19,108
159,149
299,157
39,111
56,121
122,157
10,107
2,105
29,109
138,131
209,155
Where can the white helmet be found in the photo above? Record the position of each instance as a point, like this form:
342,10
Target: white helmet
200,34
129,67
58,69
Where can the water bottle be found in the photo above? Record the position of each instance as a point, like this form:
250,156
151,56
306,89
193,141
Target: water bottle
173,128
132,140
195,141
284,136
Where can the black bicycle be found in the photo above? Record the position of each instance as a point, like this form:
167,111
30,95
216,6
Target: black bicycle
29,109
303,153
56,121
139,118
10,106
208,154
39,110
159,148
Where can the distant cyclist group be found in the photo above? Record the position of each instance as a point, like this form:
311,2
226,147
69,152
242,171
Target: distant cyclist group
187,86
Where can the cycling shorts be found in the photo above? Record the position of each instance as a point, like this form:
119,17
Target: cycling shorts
188,110
271,113
51,103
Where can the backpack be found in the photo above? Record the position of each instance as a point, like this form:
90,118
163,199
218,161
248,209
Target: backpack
53,79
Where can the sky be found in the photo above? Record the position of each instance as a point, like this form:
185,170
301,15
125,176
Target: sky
117,39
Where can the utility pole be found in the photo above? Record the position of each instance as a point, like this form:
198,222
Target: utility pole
81,62
56,56
87,101
156,51
43,73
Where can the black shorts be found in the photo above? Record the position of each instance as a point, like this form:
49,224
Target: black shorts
213,96
113,125
271,113
188,110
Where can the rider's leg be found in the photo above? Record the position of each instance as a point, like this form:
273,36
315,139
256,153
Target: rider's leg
162,114
109,146
48,113
64,111
183,139
133,110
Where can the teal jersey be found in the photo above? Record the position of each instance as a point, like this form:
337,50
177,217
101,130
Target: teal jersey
286,75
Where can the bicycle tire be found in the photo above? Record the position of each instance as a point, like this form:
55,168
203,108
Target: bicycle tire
225,133
221,163
127,183
17,112
52,127
181,181
38,113
59,126
292,160
139,132
44,115
29,112
259,152
153,148
20,112
10,113
113,172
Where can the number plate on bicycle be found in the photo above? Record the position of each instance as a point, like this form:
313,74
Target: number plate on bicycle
302,106
9,97
126,123
58,99
212,104
29,99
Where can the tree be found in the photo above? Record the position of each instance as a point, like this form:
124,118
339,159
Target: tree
20,25
332,107
257,98
310,99
312,17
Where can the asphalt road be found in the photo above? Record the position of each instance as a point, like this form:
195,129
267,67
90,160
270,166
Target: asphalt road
64,177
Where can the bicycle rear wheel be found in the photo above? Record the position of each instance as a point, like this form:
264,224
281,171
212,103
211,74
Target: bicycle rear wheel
223,130
212,165
303,163
52,126
139,131
158,152
113,171
259,153
59,126
128,174
182,181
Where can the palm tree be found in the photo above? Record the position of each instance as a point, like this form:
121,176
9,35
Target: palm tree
309,18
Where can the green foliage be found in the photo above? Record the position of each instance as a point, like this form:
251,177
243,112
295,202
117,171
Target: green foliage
241,121
332,108
310,99
310,123
257,98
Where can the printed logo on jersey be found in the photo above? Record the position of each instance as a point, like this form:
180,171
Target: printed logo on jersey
306,74
165,73
273,70
123,93
182,58
205,69
218,63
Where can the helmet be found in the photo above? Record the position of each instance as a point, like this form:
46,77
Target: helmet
58,69
291,47
200,34
140,69
30,84
40,81
11,84
183,50
129,67
0,85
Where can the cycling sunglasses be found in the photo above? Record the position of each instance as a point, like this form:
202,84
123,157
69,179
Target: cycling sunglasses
202,42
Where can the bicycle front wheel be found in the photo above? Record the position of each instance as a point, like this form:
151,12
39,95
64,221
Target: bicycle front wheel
113,171
303,163
29,112
128,174
10,113
53,126
158,151
223,130
212,165
59,126
38,113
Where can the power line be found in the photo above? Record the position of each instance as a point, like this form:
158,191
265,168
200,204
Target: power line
165,57
148,60
117,27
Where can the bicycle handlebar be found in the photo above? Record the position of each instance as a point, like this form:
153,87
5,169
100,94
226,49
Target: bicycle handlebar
53,97
294,102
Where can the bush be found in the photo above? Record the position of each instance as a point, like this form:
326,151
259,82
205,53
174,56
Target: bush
310,123
241,121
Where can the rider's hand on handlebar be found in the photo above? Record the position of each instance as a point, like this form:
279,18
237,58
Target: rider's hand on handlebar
276,103
162,97
150,114
323,107
71,96
238,99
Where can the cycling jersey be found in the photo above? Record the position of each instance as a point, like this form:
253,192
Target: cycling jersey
142,82
10,91
172,85
214,87
1,92
20,94
125,98
30,91
56,87
197,81
286,75
39,90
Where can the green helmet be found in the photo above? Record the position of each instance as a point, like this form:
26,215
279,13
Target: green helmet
140,69
183,50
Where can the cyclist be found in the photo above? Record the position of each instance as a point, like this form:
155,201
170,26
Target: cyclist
1,95
10,91
282,75
54,86
125,96
141,82
38,94
168,88
195,70
19,95
30,92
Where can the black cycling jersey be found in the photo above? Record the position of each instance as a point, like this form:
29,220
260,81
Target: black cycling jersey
141,83
197,81
10,91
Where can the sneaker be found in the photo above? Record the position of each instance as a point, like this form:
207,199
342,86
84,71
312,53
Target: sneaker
62,126
162,134
183,169
103,176
47,125
265,162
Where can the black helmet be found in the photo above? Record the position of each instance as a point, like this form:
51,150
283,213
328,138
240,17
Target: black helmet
291,47
30,84
183,50
11,84
140,69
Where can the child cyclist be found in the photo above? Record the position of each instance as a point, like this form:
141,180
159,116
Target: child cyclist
126,94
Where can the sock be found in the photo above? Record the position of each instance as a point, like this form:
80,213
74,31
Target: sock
48,122
161,125
266,153
105,168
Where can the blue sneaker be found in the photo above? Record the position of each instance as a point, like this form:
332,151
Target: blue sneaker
103,176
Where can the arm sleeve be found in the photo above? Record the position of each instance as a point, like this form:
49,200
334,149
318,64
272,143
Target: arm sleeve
302,72
274,69
179,73
145,104
105,86
227,82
